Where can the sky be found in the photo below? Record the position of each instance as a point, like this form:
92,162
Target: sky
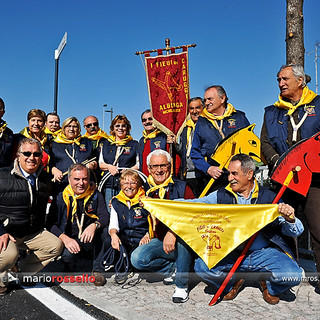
240,45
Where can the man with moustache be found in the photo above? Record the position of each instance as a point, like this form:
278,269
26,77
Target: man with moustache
218,119
24,194
94,132
188,171
273,253
152,139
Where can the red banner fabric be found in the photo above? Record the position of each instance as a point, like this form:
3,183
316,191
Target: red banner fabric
168,85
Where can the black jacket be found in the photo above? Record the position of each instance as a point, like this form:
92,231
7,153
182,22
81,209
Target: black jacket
22,208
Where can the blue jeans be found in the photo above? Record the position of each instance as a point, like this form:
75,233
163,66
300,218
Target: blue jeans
280,271
151,257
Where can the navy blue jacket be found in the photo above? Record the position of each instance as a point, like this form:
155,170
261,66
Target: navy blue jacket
276,123
127,159
60,219
206,137
61,160
133,222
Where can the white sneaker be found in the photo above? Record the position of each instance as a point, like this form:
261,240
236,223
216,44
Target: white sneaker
170,279
180,295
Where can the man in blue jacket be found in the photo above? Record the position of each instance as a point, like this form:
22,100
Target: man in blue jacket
272,254
295,116
218,119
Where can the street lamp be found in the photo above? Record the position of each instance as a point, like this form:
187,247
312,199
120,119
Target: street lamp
104,110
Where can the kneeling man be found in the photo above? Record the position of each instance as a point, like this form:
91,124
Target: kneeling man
80,218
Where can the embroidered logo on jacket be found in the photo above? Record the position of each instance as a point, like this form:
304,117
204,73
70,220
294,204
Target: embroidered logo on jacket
126,150
231,123
310,110
138,213
83,147
157,144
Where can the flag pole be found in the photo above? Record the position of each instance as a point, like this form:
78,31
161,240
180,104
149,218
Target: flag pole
249,243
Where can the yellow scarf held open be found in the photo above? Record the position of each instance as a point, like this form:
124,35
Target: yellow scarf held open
61,138
160,187
212,118
133,201
190,126
43,136
121,142
212,231
151,135
307,96
99,135
67,192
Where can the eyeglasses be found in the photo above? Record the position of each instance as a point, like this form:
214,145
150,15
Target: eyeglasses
126,184
146,119
89,125
28,154
159,166
120,125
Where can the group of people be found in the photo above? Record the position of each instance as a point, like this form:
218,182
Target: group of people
67,166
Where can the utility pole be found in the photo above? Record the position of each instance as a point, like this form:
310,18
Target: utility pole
110,111
57,53
316,62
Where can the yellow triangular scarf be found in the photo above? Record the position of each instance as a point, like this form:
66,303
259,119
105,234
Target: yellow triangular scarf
100,134
151,135
121,142
47,131
2,128
43,136
161,187
212,230
61,138
307,96
123,198
67,192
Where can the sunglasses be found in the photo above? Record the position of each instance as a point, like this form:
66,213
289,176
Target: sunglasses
146,119
28,154
120,126
89,125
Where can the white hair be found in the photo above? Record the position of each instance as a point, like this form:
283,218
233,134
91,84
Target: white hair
158,152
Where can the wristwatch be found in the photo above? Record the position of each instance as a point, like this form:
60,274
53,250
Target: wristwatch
98,225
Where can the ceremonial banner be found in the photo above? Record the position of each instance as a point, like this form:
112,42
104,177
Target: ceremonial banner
168,86
212,231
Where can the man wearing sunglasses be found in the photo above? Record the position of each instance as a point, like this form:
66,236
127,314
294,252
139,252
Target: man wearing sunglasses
94,132
152,139
24,194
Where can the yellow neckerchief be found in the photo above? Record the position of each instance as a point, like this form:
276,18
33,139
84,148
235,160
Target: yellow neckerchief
2,128
254,193
121,142
307,96
161,187
123,198
67,192
100,134
43,136
190,126
61,138
151,135
47,131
